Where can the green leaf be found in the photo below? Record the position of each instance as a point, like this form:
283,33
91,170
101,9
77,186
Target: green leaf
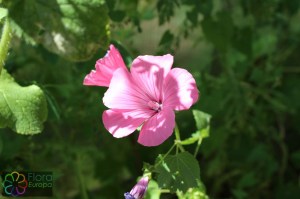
3,13
191,140
19,32
202,120
178,172
202,123
266,42
167,38
127,57
166,9
193,193
53,104
198,135
117,15
23,109
148,168
73,29
153,191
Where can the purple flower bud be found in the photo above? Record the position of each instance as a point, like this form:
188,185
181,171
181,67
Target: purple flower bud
139,190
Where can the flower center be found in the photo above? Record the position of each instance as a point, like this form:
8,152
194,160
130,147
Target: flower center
154,105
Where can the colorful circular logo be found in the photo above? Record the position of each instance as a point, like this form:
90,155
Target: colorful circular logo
14,184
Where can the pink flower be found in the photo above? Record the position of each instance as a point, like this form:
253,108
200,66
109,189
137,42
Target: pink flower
105,67
148,96
139,190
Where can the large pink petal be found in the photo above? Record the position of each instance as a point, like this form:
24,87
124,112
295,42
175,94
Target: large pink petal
123,93
105,67
149,72
180,90
158,128
121,123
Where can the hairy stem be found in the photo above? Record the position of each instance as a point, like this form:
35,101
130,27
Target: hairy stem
4,43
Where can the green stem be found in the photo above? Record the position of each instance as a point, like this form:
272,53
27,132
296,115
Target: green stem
165,156
177,144
4,43
177,133
178,140
164,191
198,146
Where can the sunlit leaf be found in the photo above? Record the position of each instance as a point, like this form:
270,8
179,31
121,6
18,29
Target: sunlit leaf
3,13
193,193
153,191
22,109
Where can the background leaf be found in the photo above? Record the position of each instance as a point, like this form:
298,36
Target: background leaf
219,31
73,29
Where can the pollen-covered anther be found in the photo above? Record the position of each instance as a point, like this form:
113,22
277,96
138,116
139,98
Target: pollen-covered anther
154,105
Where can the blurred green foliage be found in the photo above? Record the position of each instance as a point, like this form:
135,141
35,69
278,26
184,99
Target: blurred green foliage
244,55
71,28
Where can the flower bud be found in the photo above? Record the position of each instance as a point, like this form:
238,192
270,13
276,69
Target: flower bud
139,190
